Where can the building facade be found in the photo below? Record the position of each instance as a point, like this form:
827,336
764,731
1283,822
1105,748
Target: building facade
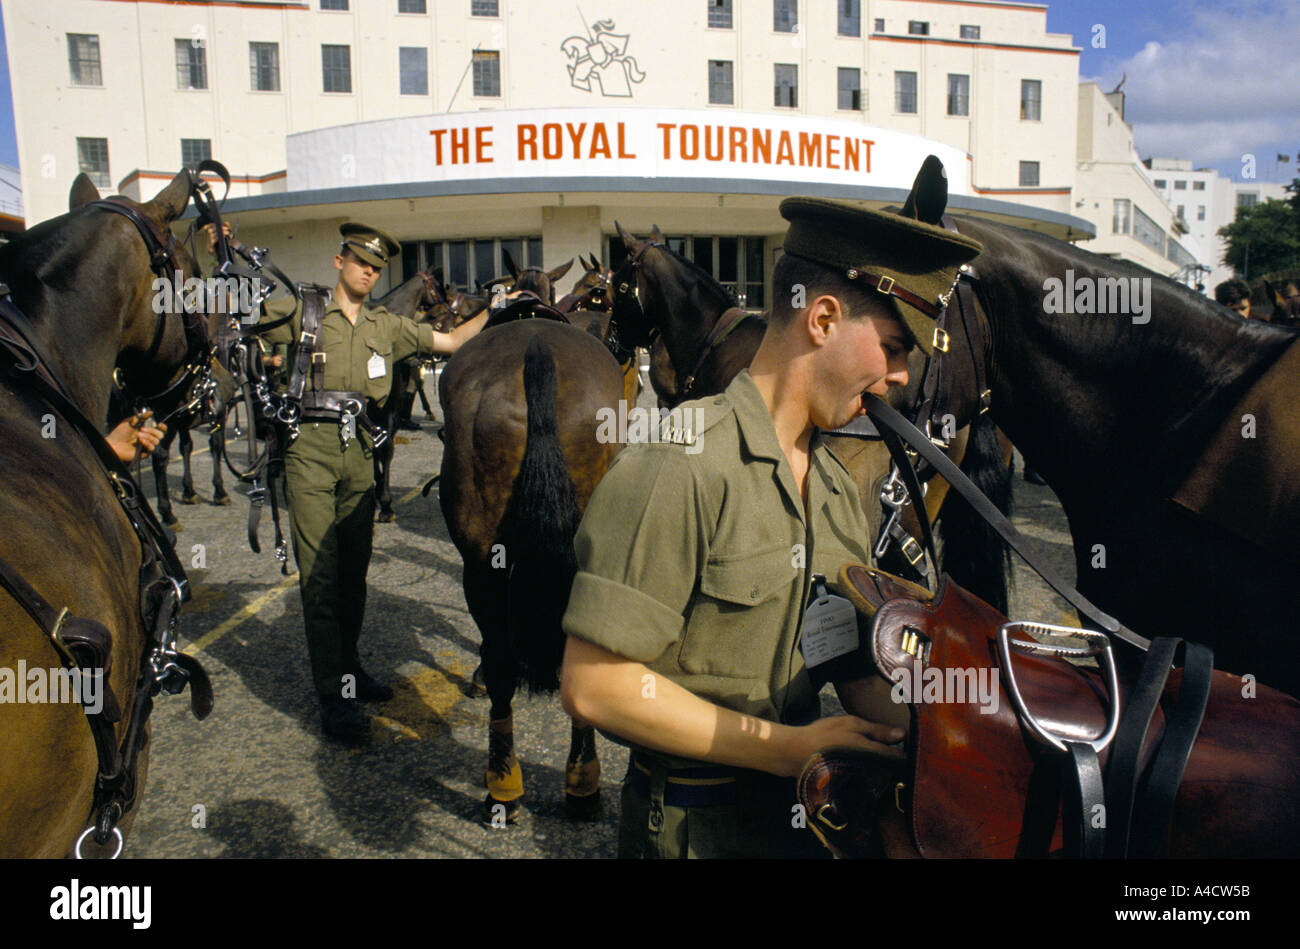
465,127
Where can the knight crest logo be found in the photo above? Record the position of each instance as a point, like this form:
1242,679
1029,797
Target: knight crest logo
601,58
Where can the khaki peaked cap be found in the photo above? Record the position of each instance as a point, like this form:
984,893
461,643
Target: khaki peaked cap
369,243
911,263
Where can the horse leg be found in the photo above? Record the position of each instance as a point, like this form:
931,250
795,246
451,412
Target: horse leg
504,778
383,493
582,773
186,444
219,495
158,461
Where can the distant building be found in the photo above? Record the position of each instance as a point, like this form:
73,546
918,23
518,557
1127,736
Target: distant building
11,200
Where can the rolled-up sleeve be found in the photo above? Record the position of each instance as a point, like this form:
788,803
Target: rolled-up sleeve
409,337
639,547
285,333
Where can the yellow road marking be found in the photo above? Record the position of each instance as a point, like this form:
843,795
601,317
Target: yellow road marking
248,612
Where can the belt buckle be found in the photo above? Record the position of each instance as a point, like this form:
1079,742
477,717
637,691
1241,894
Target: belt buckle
885,285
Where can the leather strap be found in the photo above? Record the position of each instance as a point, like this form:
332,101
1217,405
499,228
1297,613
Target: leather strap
313,309
1083,801
887,285
721,329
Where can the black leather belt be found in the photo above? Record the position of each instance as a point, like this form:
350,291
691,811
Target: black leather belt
332,405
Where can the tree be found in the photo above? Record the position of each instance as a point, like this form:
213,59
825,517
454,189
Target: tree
1264,238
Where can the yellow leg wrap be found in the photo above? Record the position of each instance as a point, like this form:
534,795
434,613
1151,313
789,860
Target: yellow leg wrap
582,778
505,786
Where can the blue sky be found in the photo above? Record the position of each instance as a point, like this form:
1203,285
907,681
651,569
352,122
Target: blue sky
1210,81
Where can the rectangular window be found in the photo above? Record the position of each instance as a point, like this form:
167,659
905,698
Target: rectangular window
719,14
483,8
1198,185
264,66
879,25
1123,214
333,4
850,89
1200,212
1247,199
918,27
850,17
92,158
958,94
413,70
1180,185
969,32
787,86
1148,231
1161,184
785,16
83,59
905,92
191,64
411,6
1029,174
195,150
487,72
336,68
1182,212
1031,99
485,265
720,86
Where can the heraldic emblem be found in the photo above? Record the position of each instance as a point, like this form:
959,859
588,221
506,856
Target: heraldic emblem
601,56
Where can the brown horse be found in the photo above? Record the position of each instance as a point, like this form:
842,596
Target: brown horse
521,459
84,284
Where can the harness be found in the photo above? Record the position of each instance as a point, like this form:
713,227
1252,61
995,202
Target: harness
85,645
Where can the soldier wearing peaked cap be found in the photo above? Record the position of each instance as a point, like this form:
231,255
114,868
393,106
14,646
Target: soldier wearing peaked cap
694,632
341,361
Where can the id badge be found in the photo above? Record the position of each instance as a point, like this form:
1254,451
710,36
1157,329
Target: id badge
830,627
375,366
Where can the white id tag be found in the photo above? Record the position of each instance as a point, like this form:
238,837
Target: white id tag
375,366
830,629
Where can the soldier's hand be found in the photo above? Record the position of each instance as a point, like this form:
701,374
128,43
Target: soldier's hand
847,731
210,231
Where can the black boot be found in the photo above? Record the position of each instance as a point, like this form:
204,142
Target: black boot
344,721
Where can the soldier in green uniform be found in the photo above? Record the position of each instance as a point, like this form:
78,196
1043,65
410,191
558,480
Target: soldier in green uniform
686,624
329,474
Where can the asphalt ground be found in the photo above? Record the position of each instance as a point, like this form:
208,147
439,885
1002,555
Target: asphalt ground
257,778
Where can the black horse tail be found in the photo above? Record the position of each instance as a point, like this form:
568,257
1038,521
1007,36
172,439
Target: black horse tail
973,553
537,531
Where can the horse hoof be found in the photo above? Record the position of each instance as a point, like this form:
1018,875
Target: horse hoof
175,524
386,517
476,688
500,814
189,499
582,808
222,501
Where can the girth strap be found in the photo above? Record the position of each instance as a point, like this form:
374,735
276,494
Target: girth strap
313,309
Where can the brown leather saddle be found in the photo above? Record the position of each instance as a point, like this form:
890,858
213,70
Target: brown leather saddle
984,778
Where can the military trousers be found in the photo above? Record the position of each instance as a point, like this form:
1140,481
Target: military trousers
331,491
684,814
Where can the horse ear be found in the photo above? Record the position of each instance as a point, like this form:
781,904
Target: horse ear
169,204
657,235
594,266
509,262
929,195
559,272
1279,302
83,192
629,242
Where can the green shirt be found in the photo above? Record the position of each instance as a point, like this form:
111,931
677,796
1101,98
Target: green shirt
697,559
349,350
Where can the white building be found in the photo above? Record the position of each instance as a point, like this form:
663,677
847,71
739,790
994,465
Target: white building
466,126
11,200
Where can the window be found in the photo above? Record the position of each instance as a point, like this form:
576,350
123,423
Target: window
958,94
720,86
1123,214
905,92
195,150
333,4
918,27
1161,184
336,68
880,25
92,158
484,8
1182,212
264,66
411,6
413,70
191,64
719,14
850,17
1180,185
785,16
1247,199
787,85
1200,212
1029,174
969,32
735,262
850,89
83,59
470,263
1031,99
1148,231
1198,185
487,72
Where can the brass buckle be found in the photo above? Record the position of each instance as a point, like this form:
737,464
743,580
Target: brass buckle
909,545
940,340
317,356
886,285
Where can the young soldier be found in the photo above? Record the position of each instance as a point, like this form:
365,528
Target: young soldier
329,474
1235,295
694,567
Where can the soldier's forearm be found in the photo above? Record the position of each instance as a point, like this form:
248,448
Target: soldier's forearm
447,343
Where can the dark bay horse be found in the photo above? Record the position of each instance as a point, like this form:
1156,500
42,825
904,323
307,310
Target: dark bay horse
521,459
84,283
1168,428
